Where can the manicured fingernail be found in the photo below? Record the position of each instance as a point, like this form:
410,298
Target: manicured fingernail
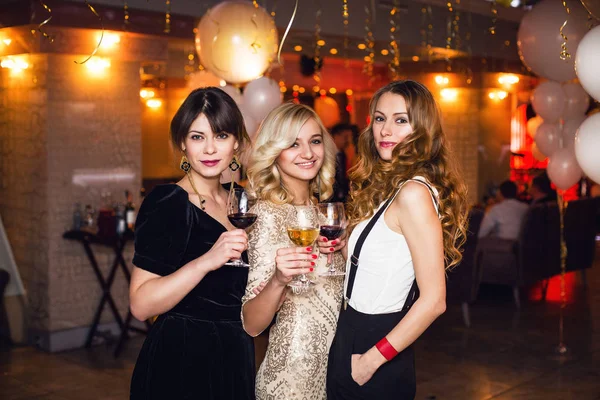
331,249
314,256
312,269
324,239
312,263
309,249
334,242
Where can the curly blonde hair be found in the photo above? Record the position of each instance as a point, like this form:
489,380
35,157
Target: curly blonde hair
278,132
424,152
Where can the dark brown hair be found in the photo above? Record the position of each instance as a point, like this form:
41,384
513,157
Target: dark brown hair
219,108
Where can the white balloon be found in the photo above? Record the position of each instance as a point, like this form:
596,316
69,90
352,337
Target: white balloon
587,147
236,41
570,129
587,61
563,169
539,38
547,138
537,154
261,96
235,94
577,101
249,121
548,101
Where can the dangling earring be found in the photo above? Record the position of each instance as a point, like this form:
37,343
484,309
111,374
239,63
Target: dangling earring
185,165
234,165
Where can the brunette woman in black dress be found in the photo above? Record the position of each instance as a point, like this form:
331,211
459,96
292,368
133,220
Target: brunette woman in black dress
197,348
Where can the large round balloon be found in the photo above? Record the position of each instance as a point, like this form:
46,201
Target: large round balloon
261,96
563,169
236,41
548,101
587,147
547,138
570,130
587,61
249,121
578,101
533,124
328,110
593,6
537,154
235,93
539,38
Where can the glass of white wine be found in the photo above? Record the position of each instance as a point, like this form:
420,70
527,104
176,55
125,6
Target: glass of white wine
303,231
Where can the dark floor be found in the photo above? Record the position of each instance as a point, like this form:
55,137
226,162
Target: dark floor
506,354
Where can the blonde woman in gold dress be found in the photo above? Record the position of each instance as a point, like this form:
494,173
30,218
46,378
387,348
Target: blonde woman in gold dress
294,157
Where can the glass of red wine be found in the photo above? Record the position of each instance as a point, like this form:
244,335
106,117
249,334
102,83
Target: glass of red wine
333,224
239,204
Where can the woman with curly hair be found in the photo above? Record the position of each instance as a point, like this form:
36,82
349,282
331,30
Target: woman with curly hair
408,217
293,158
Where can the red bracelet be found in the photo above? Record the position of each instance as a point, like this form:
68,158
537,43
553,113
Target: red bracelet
386,349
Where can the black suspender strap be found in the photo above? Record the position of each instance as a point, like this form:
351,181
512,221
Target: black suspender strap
358,246
414,290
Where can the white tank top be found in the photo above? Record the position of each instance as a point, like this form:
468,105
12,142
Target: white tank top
385,272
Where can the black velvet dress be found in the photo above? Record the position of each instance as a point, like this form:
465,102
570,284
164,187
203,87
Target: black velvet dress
198,350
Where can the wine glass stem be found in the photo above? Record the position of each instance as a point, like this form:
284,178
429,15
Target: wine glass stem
330,263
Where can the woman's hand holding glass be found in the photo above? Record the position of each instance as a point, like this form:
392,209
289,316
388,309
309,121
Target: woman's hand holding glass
327,246
229,246
293,261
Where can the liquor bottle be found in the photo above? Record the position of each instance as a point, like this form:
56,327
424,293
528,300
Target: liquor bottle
121,225
129,211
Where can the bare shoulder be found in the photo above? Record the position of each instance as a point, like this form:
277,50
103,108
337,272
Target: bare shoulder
414,195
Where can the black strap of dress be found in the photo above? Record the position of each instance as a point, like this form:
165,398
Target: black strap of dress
413,294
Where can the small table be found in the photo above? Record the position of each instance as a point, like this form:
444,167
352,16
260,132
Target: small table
117,243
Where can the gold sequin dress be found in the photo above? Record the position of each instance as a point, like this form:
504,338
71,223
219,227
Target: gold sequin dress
295,365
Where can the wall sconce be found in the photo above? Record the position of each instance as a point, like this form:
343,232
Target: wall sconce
16,65
449,94
7,41
498,94
97,65
147,93
154,103
109,40
441,80
508,79
332,90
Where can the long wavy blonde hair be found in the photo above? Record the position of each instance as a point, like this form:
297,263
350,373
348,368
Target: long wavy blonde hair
424,152
278,132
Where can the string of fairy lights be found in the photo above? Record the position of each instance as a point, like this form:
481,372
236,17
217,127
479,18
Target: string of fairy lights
458,35
394,49
370,43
